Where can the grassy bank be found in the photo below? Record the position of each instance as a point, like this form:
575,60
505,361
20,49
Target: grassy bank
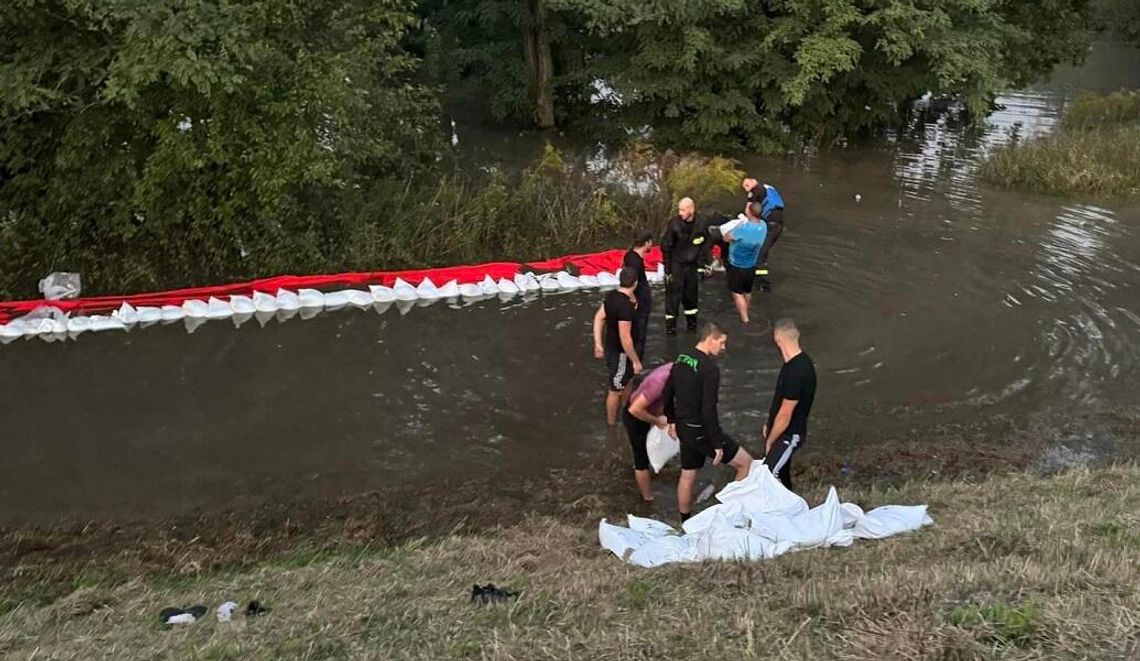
1095,151
1016,566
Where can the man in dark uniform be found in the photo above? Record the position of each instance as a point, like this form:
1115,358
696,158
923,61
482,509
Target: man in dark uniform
635,259
682,248
772,213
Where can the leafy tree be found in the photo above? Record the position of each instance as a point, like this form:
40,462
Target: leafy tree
184,135
1120,18
721,73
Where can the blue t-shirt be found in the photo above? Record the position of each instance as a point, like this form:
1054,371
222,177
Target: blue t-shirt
747,240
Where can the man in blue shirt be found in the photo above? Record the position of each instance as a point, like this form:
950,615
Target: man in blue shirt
772,213
745,242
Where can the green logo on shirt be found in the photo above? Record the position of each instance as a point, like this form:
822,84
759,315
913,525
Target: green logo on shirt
685,359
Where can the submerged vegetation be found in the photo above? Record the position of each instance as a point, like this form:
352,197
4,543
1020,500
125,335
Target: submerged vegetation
1016,566
1096,150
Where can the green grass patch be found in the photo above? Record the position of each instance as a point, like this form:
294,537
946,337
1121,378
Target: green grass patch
1000,622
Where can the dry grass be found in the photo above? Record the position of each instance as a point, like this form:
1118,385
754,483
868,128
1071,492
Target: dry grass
1016,566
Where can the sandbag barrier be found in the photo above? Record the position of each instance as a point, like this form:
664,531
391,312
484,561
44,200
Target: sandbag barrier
284,297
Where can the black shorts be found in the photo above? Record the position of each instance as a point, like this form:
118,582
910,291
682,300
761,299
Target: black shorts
620,370
695,447
779,458
638,436
740,280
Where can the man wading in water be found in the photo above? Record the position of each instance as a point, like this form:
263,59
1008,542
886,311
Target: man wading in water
786,428
635,259
772,213
615,319
744,243
682,248
646,409
691,394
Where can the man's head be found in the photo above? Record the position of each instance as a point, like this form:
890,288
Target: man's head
642,240
627,278
786,334
685,208
714,339
748,184
753,210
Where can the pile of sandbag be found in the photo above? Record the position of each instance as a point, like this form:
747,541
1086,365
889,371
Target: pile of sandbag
756,519
52,324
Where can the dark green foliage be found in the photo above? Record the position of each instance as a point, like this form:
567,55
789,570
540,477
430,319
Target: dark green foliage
167,140
1119,18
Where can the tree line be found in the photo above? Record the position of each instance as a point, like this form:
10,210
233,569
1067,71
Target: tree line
187,134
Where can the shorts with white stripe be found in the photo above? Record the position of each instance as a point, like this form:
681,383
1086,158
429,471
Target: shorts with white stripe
779,458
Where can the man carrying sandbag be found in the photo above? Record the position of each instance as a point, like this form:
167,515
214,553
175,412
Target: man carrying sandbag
691,395
772,213
646,409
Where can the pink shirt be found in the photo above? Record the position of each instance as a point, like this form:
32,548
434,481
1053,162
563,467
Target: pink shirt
652,387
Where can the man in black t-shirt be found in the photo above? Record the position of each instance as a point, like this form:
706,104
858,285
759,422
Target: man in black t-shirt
635,259
786,429
613,340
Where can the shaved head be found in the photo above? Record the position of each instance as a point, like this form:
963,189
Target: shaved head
786,328
685,208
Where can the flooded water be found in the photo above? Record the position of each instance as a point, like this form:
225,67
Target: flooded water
931,300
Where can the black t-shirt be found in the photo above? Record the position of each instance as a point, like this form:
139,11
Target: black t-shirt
796,382
644,296
618,307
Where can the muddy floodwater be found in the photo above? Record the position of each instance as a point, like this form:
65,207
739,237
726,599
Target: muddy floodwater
926,298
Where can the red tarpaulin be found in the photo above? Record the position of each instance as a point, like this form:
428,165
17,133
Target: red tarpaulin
589,264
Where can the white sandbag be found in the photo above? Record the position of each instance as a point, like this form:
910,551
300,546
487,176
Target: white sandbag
263,302
12,330
471,290
819,526
358,298
725,228
606,279
404,291
527,282
732,513
306,313
216,308
382,294
404,307
619,540
242,305
263,317
100,322
549,282
148,316
427,290
126,314
891,520
763,492
656,277
508,287
589,281
381,308
285,314
650,526
336,300
450,290
311,298
172,313
195,309
192,324
287,300
75,326
664,550
567,281
661,448
489,287
240,318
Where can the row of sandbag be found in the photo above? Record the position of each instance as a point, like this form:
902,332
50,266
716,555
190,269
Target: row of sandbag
756,519
52,324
